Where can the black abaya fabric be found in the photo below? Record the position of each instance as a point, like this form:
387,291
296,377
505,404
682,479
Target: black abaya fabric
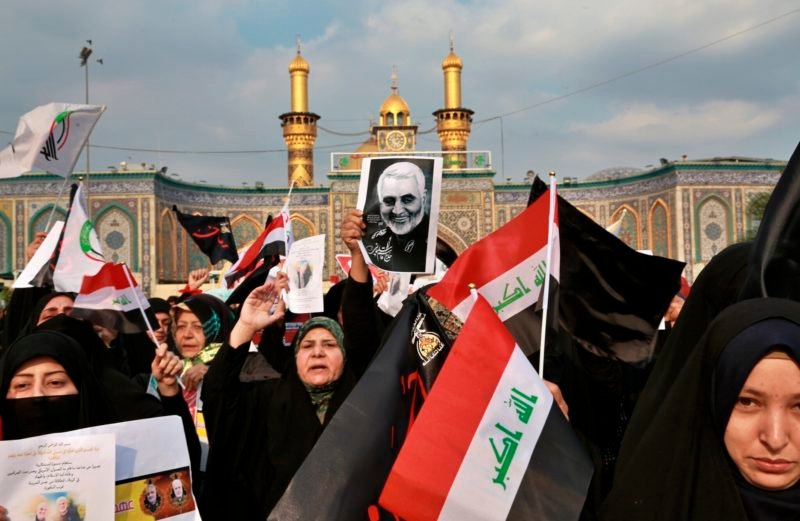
680,468
715,289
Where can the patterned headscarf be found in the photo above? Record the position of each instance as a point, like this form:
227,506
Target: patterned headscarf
321,395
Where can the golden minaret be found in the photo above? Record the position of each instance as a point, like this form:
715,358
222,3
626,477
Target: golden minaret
300,125
453,122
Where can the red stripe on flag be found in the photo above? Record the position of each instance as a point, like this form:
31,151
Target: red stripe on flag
253,252
495,254
110,274
426,468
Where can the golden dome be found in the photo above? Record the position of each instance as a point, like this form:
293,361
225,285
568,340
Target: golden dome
452,60
394,104
370,145
299,64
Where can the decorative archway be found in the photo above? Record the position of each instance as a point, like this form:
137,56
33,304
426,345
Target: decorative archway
168,245
713,227
629,231
40,218
118,234
660,229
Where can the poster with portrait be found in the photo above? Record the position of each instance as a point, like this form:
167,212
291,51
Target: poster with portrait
58,477
304,266
400,200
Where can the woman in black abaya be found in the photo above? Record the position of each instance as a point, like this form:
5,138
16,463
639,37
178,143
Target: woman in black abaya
725,443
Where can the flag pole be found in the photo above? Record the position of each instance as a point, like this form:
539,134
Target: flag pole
58,200
546,299
129,276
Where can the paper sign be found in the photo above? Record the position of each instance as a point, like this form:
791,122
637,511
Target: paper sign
45,477
304,266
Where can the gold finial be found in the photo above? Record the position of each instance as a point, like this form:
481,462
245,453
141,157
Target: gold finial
452,40
471,285
394,79
552,173
297,39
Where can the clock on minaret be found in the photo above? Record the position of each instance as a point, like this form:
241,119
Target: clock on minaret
396,140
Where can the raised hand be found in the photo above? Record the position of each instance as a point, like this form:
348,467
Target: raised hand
198,277
262,307
166,367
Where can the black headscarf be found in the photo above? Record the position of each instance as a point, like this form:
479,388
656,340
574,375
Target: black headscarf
127,399
680,468
33,316
27,417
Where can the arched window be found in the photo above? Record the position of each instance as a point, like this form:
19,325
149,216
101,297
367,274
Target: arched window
629,231
660,229
713,227
167,248
117,232
755,212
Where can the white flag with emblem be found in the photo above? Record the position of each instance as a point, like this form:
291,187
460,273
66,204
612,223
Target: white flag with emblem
80,253
49,139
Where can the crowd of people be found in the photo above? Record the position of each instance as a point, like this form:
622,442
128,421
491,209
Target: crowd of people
708,428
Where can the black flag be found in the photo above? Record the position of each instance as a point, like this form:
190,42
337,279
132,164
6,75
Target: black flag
212,235
610,296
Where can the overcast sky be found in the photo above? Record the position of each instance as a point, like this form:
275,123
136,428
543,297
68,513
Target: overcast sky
212,75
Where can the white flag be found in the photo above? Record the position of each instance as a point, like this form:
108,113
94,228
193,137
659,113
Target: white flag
80,253
49,139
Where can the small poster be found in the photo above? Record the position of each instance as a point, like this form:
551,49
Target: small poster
58,477
396,292
400,200
304,266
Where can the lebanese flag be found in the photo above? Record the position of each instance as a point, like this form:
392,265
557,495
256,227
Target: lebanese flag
488,443
111,288
276,239
508,268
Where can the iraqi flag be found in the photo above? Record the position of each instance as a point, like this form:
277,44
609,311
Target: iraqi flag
276,239
112,298
49,139
508,268
212,234
489,443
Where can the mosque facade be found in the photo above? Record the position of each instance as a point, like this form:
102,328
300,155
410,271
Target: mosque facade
685,209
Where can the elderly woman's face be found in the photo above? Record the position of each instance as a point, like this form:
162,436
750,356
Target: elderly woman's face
319,359
188,334
763,433
40,376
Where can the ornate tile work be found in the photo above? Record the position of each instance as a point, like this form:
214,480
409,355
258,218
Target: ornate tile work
167,260
19,232
5,244
687,233
147,275
463,222
738,212
713,230
659,229
245,229
117,232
